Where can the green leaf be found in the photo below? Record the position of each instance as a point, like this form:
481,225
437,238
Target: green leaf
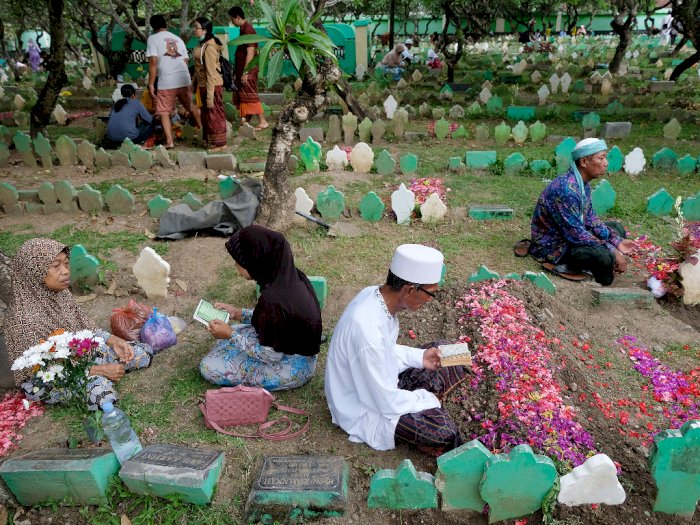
264,54
295,53
250,39
310,61
269,14
274,69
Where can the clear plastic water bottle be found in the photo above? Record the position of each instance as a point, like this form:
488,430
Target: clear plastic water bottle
125,443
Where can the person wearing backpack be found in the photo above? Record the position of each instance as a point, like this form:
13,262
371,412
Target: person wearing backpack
209,84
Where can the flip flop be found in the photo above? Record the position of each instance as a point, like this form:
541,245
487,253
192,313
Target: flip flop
564,272
522,248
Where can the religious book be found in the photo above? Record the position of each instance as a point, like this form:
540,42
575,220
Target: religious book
455,354
205,313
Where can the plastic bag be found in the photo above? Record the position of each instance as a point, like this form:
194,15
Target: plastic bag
127,322
177,323
158,332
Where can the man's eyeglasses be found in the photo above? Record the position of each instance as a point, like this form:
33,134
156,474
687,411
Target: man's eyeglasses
431,294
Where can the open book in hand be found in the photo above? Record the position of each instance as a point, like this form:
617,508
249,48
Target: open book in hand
455,354
205,313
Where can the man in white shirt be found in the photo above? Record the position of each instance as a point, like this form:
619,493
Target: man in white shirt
167,60
366,395
407,55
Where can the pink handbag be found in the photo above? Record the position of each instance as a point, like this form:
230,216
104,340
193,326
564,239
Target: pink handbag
245,405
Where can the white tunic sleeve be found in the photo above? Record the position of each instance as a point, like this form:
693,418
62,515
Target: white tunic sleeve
408,357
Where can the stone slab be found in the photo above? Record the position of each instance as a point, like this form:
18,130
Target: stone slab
480,159
484,213
221,162
251,167
617,130
290,487
78,476
191,159
165,470
621,295
659,86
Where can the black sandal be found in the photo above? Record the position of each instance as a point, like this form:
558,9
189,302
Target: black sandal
522,248
565,272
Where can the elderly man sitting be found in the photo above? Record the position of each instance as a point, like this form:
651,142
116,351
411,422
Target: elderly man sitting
381,392
565,229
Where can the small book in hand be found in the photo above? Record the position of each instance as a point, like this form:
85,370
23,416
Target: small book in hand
205,313
455,354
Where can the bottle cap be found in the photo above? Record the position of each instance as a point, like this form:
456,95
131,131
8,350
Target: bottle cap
107,406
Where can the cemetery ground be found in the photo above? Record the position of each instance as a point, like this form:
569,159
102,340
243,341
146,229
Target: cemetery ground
594,375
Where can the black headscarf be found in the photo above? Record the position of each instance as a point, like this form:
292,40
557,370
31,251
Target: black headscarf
287,316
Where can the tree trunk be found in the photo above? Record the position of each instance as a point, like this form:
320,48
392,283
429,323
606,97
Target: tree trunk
624,31
686,64
41,112
3,46
625,38
392,13
276,210
5,279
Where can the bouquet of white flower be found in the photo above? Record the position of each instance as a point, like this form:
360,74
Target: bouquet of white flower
61,362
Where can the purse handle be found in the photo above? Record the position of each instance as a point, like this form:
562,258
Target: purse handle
280,435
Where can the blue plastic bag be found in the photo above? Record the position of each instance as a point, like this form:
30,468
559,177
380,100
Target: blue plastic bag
158,333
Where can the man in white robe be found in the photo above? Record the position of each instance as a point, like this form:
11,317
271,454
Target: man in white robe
366,396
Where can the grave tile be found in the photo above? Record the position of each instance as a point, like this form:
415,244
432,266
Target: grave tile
15,208
33,208
433,209
541,281
349,127
593,482
538,131
658,86
456,164
298,488
615,108
591,121
65,191
80,475
166,470
603,197
621,295
691,208
672,130
403,203
194,202
665,158
320,286
42,146
90,200
158,205
515,484
540,166
409,164
103,159
524,113
378,129
221,162
47,193
119,200
86,154
29,196
227,187
480,159
403,488
191,159
675,469
256,167
49,209
615,159
127,146
543,94
311,154
364,130
400,122
442,129
330,204
141,159
84,268
513,276
686,164
456,112
482,132
371,207
495,105
390,106
385,164
8,193
361,158
520,132
459,472
4,155
119,158
482,274
660,203
304,203
23,144
334,135
514,163
565,147
230,111
460,132
502,133
66,151
336,159
635,161
490,212
152,273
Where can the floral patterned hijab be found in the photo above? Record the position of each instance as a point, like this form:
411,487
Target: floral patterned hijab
35,310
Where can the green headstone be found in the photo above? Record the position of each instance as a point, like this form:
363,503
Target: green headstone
42,146
438,113
86,154
524,113
320,286
591,121
603,197
47,193
158,205
514,163
474,109
456,164
371,207
482,274
90,199
665,158
330,204
459,472
540,166
615,159
672,130
608,294
364,129
563,163
378,129
84,268
8,193
538,131
23,144
65,191
385,164
513,276
104,159
227,187
460,133
194,202
565,147
230,111
403,488
409,164
168,470
675,467
482,132
141,159
691,208
117,158
311,154
491,212
119,200
480,159
442,128
520,132
515,484
502,133
615,108
541,281
79,476
660,203
579,86
66,151
495,105
4,155
686,164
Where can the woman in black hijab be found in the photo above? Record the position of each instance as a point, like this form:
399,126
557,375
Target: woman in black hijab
277,343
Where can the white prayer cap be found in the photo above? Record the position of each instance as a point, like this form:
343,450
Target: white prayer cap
417,264
408,41
589,146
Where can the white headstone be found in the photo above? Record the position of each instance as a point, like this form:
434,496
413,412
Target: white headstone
487,85
433,209
595,78
554,83
60,115
361,158
520,67
668,73
595,481
390,106
635,54
152,273
304,203
3,77
87,83
543,93
635,161
403,201
19,102
574,55
690,275
536,77
416,76
484,96
336,158
360,71
565,82
606,87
